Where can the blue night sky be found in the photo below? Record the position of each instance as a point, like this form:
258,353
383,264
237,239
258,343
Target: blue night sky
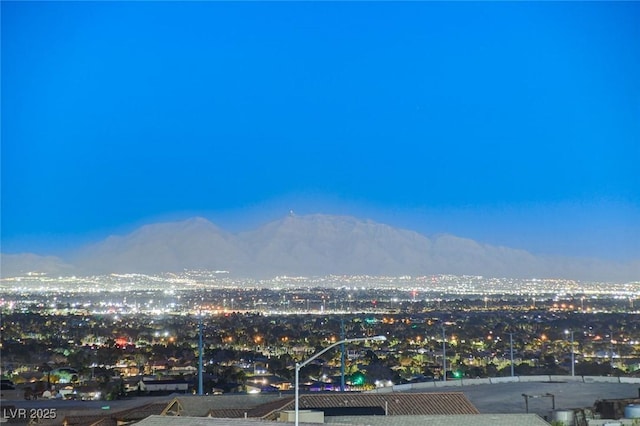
514,124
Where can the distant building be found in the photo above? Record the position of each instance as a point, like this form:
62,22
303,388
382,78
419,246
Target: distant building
163,386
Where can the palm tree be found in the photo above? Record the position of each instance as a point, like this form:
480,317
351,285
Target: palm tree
46,368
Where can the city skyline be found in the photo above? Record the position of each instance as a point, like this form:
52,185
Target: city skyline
512,124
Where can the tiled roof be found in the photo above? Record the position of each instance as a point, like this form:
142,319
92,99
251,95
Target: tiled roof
208,421
263,410
455,420
445,403
112,418
260,411
89,421
200,406
229,413
137,413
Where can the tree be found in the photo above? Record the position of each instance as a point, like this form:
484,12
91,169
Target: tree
117,390
102,376
492,370
593,369
141,360
549,361
279,366
229,379
311,370
46,368
379,371
370,356
358,378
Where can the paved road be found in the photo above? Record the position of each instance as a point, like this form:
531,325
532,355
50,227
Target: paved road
507,397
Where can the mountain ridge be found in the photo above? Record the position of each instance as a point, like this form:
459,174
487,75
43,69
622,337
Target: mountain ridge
310,245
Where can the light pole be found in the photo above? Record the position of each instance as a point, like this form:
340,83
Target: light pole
299,365
511,344
444,355
200,350
573,357
342,337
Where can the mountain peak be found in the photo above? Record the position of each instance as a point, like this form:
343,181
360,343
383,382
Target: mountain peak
316,244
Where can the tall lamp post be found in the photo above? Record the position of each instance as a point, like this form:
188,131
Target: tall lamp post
444,355
200,350
511,345
573,356
299,365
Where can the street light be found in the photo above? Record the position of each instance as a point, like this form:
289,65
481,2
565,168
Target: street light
573,360
444,355
299,365
511,345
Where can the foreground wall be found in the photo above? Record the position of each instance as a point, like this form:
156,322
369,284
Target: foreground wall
509,379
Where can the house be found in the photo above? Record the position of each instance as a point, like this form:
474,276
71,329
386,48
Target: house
355,404
88,392
267,382
163,386
203,406
121,417
206,421
338,403
452,420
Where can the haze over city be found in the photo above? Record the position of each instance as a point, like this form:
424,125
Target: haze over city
511,124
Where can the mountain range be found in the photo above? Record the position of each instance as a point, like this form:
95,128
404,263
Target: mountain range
310,245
